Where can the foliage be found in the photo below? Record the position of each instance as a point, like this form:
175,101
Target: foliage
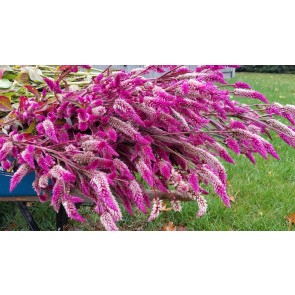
170,130
279,69
28,81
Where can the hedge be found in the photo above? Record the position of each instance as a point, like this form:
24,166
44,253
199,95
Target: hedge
288,69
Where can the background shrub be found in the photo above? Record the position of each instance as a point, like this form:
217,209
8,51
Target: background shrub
287,69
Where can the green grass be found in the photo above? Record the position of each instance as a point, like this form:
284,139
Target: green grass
11,218
264,193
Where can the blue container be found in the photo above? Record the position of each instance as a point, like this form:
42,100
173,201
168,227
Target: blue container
24,188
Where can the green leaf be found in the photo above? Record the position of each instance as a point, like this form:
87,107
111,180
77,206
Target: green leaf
74,88
4,83
23,78
15,105
9,76
31,127
5,104
8,93
5,131
35,74
7,68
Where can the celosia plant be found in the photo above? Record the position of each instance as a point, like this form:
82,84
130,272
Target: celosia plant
123,133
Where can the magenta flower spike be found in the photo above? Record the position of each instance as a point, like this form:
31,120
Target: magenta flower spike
130,138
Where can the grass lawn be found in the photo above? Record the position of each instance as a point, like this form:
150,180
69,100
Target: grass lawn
264,193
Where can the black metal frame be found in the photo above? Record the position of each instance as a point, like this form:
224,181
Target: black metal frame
61,217
27,216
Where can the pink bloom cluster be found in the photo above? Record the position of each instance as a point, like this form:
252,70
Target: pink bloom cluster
122,132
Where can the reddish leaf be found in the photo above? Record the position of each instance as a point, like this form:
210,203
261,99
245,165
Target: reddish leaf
169,227
5,104
291,220
22,101
60,122
33,90
181,228
63,68
1,73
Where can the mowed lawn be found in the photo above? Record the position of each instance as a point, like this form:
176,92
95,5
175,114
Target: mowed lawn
264,193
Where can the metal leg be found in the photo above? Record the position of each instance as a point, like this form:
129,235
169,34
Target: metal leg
61,218
27,216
